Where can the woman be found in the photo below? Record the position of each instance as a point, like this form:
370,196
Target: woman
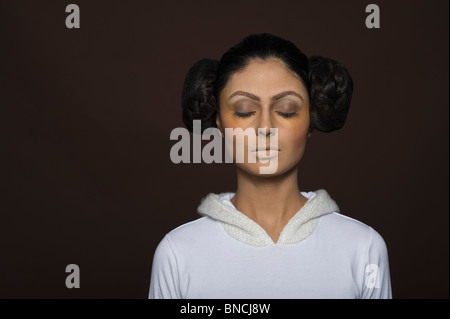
268,239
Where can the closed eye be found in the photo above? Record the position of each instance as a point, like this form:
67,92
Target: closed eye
246,114
287,115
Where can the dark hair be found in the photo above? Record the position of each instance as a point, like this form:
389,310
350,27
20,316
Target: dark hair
328,82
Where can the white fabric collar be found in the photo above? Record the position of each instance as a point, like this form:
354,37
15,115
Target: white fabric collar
244,229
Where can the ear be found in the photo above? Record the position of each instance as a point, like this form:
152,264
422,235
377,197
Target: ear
219,124
310,131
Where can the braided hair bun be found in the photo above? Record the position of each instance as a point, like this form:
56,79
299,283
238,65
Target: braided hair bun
330,93
197,98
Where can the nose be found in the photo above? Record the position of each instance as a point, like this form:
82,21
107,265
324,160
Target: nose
265,127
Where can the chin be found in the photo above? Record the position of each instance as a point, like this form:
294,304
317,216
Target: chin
254,169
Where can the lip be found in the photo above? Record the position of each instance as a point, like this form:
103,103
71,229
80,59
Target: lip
266,154
265,149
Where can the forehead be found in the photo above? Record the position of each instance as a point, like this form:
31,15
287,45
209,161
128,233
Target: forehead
264,77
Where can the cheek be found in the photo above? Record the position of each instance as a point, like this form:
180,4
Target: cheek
297,133
228,120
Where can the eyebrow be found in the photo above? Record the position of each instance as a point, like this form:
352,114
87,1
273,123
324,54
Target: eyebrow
273,98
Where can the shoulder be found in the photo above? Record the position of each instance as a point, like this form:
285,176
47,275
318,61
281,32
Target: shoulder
344,224
191,235
199,227
342,228
185,238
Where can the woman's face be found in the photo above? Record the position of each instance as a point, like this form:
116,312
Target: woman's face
264,95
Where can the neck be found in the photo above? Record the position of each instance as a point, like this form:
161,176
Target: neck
271,201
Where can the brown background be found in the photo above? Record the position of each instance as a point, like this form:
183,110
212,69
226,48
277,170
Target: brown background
86,115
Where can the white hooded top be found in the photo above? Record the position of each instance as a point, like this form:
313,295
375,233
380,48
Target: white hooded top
319,254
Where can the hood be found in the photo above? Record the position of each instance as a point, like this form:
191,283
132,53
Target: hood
244,229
